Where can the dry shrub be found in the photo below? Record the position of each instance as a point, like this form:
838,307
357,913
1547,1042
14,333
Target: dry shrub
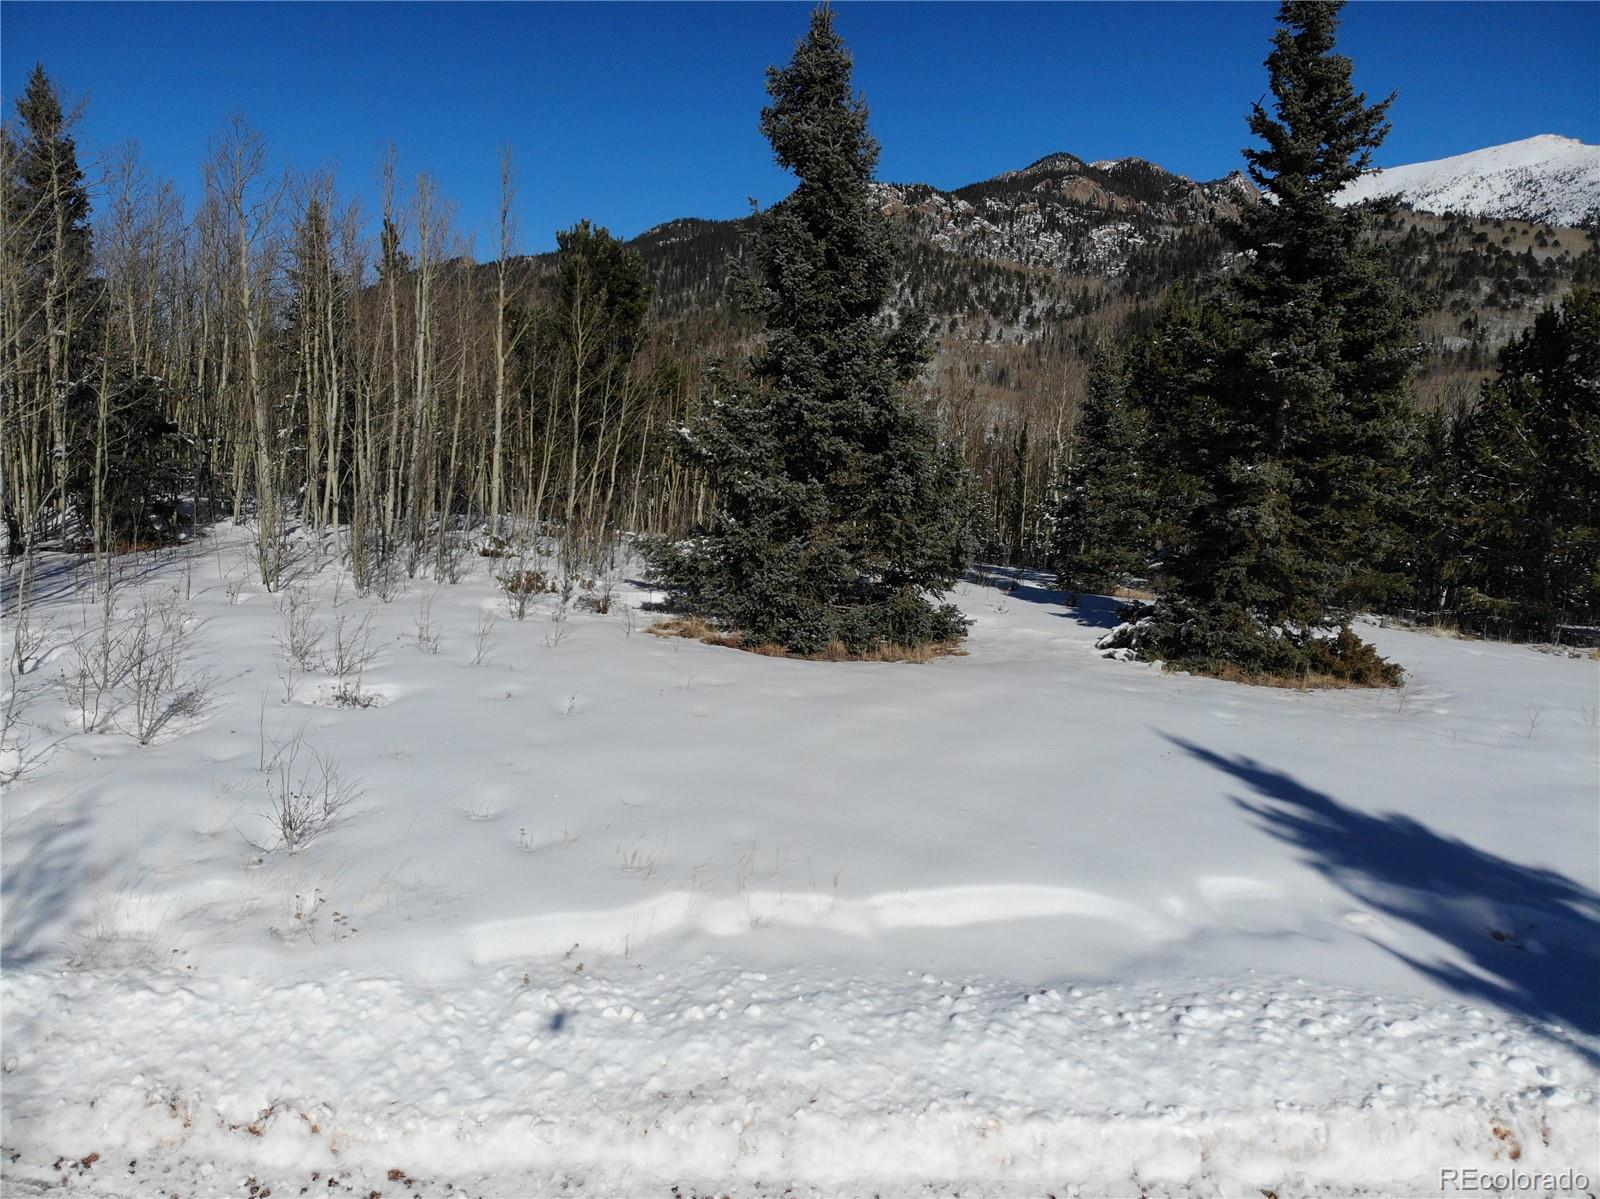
522,587
1228,672
694,628
526,582
1337,662
1348,657
497,547
124,545
837,651
598,597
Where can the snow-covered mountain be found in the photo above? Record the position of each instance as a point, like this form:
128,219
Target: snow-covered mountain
1012,256
1548,178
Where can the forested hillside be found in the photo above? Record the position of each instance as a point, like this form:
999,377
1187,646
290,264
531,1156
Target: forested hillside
363,365
1023,275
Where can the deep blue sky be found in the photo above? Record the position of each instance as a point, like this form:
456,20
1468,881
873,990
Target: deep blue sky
631,114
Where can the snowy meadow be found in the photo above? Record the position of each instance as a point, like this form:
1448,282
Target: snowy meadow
469,892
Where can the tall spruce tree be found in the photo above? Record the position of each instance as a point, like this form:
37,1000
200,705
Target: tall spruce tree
1104,523
1305,418
1528,482
837,512
55,301
48,227
1432,553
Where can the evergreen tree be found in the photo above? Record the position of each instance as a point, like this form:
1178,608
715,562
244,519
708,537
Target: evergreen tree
140,455
1299,441
1177,376
48,227
595,324
605,281
1529,481
53,301
1103,527
393,262
1432,551
837,513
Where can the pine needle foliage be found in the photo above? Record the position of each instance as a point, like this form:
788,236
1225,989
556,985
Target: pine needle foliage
1291,451
1525,481
1103,526
838,514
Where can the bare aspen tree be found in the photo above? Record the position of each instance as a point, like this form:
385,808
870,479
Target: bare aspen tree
423,270
392,265
21,413
247,202
389,393
501,349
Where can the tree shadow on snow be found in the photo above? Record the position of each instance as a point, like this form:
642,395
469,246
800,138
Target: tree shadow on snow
1095,611
1530,936
1035,587
44,877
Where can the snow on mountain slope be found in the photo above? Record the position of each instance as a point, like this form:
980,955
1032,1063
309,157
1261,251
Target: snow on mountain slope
613,913
1546,178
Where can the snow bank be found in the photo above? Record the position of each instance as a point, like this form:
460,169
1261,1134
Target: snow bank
620,1080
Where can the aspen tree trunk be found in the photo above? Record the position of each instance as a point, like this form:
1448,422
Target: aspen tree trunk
58,334
497,451
392,449
537,510
334,417
447,487
421,454
616,448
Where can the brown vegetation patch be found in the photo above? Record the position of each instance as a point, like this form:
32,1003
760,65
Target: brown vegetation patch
1307,681
1338,662
527,582
694,628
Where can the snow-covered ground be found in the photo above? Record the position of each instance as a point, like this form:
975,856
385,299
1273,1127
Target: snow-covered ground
609,914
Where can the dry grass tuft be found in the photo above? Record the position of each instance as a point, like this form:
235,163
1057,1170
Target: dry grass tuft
694,628
927,652
1307,681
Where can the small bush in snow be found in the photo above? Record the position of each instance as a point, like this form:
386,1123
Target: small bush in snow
307,792
483,639
161,683
522,587
352,650
427,637
1244,652
97,663
300,636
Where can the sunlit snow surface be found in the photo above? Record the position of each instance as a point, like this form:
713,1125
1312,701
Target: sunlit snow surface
616,913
